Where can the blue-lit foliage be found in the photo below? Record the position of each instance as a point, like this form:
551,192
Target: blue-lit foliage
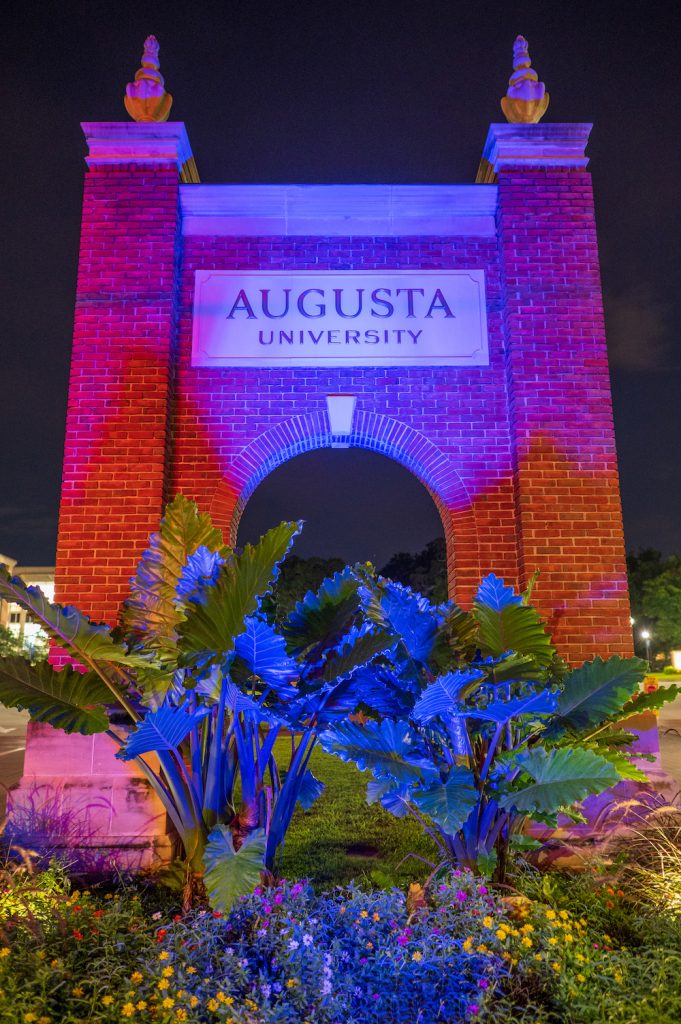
208,686
481,724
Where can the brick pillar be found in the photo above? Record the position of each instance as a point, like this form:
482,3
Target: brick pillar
568,513
117,439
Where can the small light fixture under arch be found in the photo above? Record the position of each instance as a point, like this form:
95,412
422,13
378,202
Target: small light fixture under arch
341,410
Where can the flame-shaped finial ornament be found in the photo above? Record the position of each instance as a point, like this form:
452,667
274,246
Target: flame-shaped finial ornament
146,98
526,99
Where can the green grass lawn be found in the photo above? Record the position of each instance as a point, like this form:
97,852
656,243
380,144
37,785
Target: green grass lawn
342,838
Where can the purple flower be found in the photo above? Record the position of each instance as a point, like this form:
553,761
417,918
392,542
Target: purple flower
278,897
296,889
473,1008
375,996
461,895
483,983
363,960
267,908
483,890
457,873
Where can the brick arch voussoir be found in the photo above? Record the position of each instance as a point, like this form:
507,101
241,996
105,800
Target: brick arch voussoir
373,432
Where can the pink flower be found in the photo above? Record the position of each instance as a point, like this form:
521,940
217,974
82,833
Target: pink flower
483,983
461,895
278,897
483,890
473,1008
296,889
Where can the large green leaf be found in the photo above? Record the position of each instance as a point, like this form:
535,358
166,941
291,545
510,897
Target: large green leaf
507,624
597,690
559,778
68,700
449,803
642,702
208,634
397,609
153,612
356,649
88,642
389,749
444,694
229,873
161,730
320,620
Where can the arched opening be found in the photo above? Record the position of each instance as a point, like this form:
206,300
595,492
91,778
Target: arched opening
358,506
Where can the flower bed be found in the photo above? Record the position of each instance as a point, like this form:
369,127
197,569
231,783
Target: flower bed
287,955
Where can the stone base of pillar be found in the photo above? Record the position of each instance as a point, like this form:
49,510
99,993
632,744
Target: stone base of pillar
75,798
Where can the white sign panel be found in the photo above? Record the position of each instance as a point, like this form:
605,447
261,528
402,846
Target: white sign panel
340,318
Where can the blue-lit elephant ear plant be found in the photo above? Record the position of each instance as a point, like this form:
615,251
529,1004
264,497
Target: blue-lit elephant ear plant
207,686
486,727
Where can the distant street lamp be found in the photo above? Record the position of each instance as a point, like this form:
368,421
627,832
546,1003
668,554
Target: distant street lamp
645,636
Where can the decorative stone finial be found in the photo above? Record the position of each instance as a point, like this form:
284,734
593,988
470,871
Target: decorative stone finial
526,99
146,98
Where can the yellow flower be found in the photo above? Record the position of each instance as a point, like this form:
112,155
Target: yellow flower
515,933
564,914
556,966
131,994
369,945
468,945
580,977
191,970
526,941
109,896
168,1003
375,917
77,992
213,1005
136,977
5,951
569,937
500,934
364,913
578,956
537,956
550,915
107,1000
164,955
342,910
193,1001
417,956
55,963
553,941
127,1010
41,954
619,977
142,1005
482,948
527,929
29,1018
168,972
291,983
163,984
180,1014
250,1005
43,1020
487,922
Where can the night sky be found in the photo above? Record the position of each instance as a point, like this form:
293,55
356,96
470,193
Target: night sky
342,92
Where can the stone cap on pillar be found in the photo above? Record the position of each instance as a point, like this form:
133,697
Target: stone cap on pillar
122,142
533,146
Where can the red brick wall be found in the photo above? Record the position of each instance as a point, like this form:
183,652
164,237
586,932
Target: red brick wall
567,489
114,480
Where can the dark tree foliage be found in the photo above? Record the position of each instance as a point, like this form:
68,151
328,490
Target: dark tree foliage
655,594
425,572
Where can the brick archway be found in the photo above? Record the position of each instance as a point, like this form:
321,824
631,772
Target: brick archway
373,432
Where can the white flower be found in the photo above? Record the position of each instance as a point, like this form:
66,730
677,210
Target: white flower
307,940
157,916
243,963
326,987
293,944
